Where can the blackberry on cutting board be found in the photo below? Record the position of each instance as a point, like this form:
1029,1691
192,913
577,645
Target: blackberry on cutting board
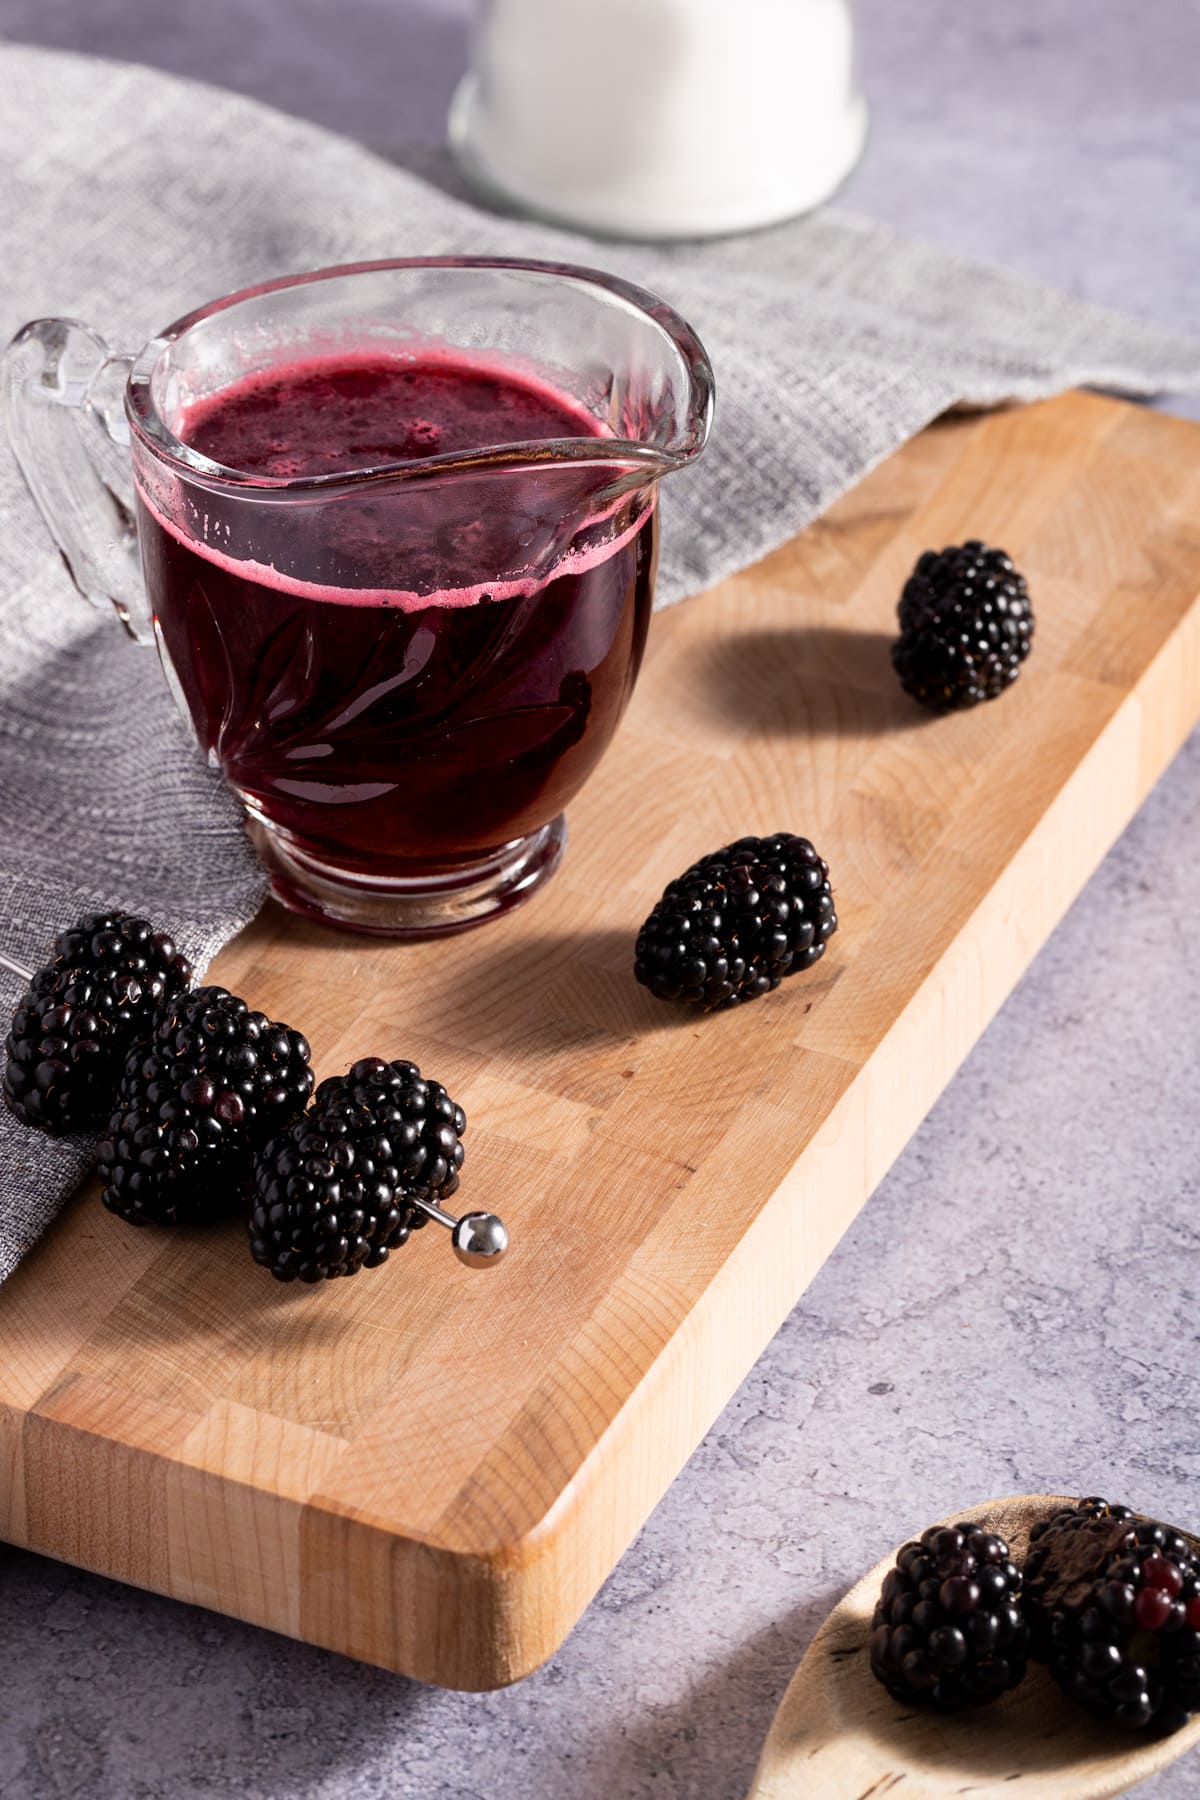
211,1082
966,626
948,1630
332,1194
1114,1607
73,1026
737,922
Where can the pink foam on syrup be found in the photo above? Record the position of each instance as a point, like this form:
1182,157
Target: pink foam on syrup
532,401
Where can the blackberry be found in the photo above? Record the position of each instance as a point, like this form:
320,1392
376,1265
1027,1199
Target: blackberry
210,1083
966,627
1114,1610
330,1193
73,1026
948,1629
735,923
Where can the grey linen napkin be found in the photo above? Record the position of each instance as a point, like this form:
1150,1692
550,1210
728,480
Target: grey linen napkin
128,197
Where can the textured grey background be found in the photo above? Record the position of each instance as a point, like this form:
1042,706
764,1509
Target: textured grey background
1016,1309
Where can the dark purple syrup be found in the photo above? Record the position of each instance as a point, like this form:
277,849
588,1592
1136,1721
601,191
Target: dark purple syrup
374,693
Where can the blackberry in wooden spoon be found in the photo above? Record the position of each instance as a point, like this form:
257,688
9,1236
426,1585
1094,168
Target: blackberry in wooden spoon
210,1084
737,922
1114,1605
948,1629
74,1025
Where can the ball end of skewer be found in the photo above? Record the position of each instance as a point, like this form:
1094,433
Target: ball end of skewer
480,1240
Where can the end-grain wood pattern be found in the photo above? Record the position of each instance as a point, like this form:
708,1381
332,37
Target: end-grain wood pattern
434,1469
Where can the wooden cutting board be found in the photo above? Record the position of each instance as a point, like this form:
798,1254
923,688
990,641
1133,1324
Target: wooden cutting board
433,1468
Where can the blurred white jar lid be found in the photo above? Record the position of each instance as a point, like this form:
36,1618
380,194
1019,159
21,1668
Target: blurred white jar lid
661,118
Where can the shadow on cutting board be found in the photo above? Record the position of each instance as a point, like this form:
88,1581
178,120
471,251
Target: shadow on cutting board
805,681
577,988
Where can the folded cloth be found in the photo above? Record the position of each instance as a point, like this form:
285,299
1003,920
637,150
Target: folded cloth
130,197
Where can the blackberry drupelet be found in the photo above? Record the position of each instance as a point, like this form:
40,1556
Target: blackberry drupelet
74,1025
737,922
210,1084
332,1193
1113,1601
966,626
948,1630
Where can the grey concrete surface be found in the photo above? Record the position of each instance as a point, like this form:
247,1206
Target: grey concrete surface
1015,1310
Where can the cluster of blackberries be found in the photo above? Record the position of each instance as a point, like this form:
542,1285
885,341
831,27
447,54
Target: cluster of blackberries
201,1107
1108,1600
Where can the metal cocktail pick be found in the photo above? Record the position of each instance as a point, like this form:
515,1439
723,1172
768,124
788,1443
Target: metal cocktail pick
480,1238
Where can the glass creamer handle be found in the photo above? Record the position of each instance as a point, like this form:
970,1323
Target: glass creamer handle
64,393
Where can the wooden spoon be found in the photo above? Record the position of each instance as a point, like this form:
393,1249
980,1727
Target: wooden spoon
839,1735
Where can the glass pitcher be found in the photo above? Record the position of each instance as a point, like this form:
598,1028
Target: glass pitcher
406,658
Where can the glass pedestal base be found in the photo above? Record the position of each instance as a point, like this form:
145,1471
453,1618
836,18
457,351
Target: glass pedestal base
447,900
